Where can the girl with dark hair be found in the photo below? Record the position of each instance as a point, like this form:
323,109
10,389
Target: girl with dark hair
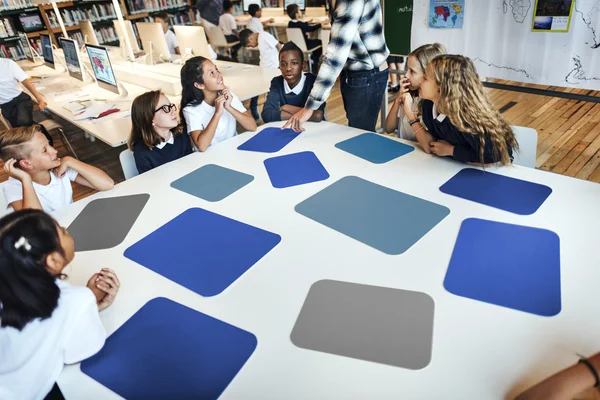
156,136
44,322
209,110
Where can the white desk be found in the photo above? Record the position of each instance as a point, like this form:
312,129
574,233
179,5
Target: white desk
480,351
246,81
113,132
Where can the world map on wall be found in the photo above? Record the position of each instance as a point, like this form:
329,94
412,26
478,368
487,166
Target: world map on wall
446,15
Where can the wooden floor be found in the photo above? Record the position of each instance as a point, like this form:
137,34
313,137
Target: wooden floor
568,133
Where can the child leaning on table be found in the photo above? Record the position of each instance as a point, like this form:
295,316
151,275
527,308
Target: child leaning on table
44,321
38,178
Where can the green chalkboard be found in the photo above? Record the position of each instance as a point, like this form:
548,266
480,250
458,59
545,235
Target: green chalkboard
397,23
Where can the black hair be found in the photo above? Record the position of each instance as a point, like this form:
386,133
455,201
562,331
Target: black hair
244,36
227,4
291,46
253,9
27,289
164,16
292,10
191,72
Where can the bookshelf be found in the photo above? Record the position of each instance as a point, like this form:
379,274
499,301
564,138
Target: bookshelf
100,13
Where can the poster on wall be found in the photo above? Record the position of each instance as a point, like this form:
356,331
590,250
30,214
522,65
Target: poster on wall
552,15
446,14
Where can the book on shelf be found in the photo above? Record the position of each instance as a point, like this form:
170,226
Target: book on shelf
15,52
140,6
106,34
14,5
7,28
98,12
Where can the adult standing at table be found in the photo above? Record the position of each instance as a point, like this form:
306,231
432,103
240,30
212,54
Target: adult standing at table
357,53
210,10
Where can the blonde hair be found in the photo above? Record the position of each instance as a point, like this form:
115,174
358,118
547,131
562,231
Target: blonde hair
464,101
426,53
14,142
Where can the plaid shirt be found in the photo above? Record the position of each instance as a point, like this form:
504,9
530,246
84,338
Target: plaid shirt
357,44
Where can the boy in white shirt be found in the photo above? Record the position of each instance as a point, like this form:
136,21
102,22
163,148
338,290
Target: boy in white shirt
229,27
38,178
163,19
16,105
255,24
267,45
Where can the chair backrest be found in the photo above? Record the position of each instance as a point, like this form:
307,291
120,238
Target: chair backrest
295,35
527,139
128,164
325,34
216,37
194,38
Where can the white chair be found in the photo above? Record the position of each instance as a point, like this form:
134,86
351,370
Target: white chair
217,39
527,140
295,35
5,121
128,164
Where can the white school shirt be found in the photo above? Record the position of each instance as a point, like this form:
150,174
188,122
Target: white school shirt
32,359
57,194
227,23
405,131
269,55
10,76
197,117
255,25
171,41
297,89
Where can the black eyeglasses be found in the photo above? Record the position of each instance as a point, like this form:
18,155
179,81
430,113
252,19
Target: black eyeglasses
166,108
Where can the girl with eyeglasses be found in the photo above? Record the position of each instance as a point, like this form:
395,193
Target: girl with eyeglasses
209,110
156,136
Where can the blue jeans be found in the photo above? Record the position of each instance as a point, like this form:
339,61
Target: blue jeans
362,93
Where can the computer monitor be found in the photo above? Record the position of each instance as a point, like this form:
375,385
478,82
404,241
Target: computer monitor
31,22
26,46
89,35
246,3
121,35
102,68
192,37
71,51
47,50
153,37
301,4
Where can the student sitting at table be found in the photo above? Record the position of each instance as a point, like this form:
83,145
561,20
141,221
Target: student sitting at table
163,19
288,93
15,104
45,322
268,46
459,121
416,64
255,24
37,177
156,136
209,110
229,27
293,11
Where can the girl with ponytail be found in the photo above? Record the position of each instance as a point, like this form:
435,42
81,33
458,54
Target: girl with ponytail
44,322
